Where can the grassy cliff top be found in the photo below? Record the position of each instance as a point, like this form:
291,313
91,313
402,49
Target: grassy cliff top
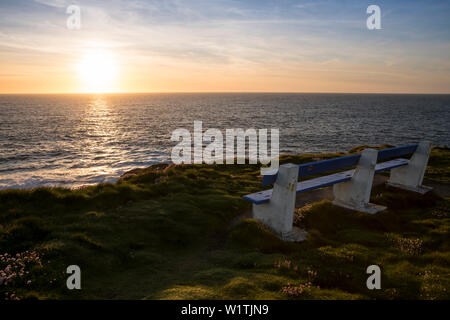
170,232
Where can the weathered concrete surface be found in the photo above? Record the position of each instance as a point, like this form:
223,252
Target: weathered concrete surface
278,214
296,235
355,194
410,177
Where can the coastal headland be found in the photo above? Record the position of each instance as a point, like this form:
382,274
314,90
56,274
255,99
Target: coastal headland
184,232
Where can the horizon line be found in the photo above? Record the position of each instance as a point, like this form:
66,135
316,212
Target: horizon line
220,92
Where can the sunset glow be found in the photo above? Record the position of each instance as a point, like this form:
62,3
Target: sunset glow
98,71
223,46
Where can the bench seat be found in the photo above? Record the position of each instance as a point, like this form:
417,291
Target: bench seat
325,181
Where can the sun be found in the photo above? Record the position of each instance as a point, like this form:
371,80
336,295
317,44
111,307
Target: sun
98,71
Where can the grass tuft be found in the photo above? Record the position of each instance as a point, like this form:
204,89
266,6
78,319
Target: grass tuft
178,232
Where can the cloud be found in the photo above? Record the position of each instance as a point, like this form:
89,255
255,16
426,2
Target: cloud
54,3
267,37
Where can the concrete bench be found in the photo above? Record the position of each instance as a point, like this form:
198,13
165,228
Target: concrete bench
351,188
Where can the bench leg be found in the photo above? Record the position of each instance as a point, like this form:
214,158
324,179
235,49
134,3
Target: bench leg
410,177
355,194
278,214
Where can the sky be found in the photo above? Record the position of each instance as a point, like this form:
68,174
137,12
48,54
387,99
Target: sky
224,46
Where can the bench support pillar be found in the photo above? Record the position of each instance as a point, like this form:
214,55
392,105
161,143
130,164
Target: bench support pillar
278,213
410,177
355,194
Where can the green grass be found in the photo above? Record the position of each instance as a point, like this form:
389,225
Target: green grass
173,233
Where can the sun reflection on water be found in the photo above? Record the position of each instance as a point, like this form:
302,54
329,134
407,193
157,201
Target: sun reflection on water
101,135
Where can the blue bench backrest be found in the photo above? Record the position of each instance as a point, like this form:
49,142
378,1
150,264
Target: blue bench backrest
396,152
317,167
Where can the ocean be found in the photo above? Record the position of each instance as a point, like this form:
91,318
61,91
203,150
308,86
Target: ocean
74,140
